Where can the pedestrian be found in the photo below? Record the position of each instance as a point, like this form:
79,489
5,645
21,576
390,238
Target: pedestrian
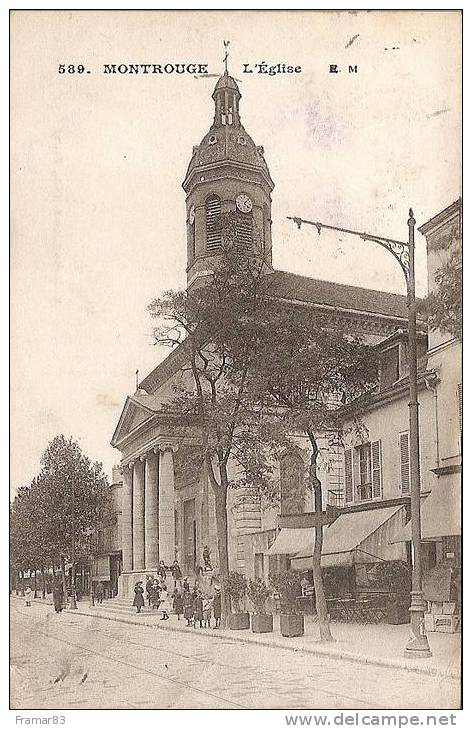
185,585
58,596
187,600
206,559
138,601
217,606
154,595
198,610
207,606
149,587
100,589
178,603
176,573
164,605
162,569
28,596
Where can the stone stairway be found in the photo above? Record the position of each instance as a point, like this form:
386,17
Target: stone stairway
123,607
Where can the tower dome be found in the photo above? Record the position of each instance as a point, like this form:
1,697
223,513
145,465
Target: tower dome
227,173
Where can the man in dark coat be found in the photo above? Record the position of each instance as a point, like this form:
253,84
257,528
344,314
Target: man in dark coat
58,597
187,600
198,610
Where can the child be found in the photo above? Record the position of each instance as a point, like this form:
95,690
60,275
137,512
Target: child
164,606
28,596
207,606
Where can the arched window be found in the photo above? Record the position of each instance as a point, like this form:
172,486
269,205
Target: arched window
292,484
213,223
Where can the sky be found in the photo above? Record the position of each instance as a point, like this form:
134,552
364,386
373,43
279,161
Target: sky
97,163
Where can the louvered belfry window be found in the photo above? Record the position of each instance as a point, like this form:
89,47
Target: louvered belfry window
213,222
405,463
244,230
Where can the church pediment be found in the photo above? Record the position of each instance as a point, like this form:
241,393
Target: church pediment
133,415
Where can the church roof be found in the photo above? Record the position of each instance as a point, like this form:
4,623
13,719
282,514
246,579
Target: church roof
335,295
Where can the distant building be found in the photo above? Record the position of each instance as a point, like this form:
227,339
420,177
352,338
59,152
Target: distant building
107,563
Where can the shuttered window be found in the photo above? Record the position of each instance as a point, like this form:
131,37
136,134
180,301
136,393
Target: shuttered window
348,481
405,463
376,460
213,222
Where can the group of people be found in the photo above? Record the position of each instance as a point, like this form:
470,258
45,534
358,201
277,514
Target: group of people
196,605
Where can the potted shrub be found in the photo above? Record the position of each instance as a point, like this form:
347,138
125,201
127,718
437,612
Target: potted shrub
261,621
236,587
287,585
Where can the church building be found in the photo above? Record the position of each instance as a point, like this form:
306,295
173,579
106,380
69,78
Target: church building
165,513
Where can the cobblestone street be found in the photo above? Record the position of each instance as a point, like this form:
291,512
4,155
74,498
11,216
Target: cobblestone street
77,662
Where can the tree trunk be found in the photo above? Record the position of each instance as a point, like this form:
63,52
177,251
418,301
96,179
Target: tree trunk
320,599
43,576
221,495
63,573
22,583
35,593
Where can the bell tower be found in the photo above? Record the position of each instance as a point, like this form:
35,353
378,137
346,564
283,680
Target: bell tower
227,174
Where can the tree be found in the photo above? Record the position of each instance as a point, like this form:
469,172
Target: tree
444,304
74,497
259,370
54,519
316,370
226,324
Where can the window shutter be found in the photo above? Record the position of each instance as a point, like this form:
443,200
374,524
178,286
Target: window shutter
348,484
459,404
405,463
376,461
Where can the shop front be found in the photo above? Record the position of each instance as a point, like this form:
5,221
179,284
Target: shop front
366,576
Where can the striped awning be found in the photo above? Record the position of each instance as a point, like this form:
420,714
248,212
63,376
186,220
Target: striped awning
355,537
440,511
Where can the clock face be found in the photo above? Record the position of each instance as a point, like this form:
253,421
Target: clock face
191,215
244,203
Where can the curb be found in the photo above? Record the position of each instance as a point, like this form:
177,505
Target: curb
318,650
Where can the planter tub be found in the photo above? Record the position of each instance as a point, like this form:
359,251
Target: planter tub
238,621
262,623
292,626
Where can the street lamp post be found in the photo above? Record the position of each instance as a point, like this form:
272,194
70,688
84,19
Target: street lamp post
404,253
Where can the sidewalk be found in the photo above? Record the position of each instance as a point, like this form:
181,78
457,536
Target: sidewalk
380,645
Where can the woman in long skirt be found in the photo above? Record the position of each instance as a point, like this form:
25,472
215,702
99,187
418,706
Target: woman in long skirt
138,601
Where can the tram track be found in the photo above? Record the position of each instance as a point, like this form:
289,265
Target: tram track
194,659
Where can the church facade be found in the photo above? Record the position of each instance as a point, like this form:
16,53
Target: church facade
165,513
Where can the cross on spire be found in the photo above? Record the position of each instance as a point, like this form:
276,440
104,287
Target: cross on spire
225,59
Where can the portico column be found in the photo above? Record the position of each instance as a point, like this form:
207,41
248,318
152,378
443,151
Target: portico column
127,519
151,544
166,504
138,515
